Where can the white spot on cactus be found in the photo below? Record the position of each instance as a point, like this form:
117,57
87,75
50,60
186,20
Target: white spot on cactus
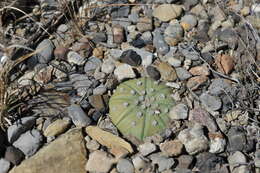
139,83
156,82
132,92
154,123
139,114
121,89
166,110
143,92
162,96
143,106
136,102
152,99
133,123
125,104
157,111
151,90
141,98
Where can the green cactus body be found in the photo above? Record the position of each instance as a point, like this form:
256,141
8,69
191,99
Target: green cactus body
140,107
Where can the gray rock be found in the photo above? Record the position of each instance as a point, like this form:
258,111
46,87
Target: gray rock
147,37
125,166
101,89
194,139
202,117
99,161
188,51
159,43
91,65
217,144
92,145
163,162
139,163
146,148
4,166
115,53
211,102
182,73
78,116
236,139
208,162
124,71
81,83
120,11
173,34
237,162
153,72
19,127
218,86
133,17
123,21
14,155
144,24
29,142
130,57
46,53
188,22
62,28
257,158
108,66
75,58
185,161
99,37
179,112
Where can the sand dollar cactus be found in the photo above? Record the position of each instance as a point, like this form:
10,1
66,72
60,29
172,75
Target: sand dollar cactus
140,107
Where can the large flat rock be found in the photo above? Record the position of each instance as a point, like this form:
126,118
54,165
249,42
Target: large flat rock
66,154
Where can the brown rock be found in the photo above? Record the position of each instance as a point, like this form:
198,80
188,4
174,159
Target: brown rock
118,34
44,75
118,152
167,72
172,147
200,70
97,101
66,154
195,82
61,53
98,52
166,12
56,128
225,63
144,24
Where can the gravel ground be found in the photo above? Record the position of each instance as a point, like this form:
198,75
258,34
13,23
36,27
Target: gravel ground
128,86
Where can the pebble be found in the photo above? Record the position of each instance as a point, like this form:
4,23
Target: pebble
61,52
4,166
202,117
167,72
225,63
185,161
153,72
124,71
93,145
179,112
237,162
19,127
139,163
188,22
173,34
200,70
130,57
163,162
29,142
208,162
167,12
171,148
91,65
98,52
236,139
99,161
144,24
62,28
56,128
100,90
200,11
81,83
159,43
108,66
196,82
75,58
78,116
46,48
125,166
147,57
210,102
118,34
44,75
218,86
257,158
217,143
188,51
194,139
97,101
182,73
14,155
147,37
146,148
98,37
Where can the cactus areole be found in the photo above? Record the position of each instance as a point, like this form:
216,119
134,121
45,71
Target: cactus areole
140,107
